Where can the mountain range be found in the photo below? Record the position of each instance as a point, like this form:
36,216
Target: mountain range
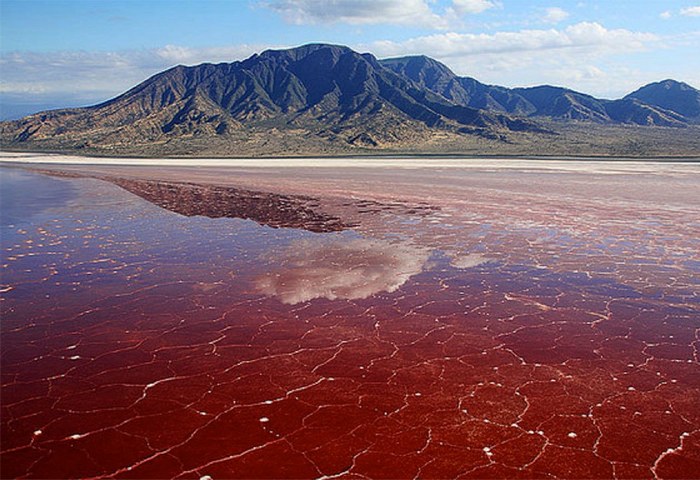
322,98
668,103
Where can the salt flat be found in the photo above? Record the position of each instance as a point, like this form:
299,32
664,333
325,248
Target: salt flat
573,164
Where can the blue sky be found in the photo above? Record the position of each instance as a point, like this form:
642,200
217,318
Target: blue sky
56,53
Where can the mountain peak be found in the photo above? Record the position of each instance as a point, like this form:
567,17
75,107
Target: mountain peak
667,84
418,65
670,83
306,50
670,95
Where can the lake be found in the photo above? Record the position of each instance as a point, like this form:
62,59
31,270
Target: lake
435,318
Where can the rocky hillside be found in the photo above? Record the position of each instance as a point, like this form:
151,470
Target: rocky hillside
668,103
670,95
328,99
326,91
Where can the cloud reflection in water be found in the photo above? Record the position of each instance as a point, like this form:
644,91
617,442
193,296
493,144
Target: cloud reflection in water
341,269
470,260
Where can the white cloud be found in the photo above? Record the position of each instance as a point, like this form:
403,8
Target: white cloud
691,11
357,12
583,56
665,15
175,54
341,269
462,7
554,15
469,261
583,37
419,13
94,74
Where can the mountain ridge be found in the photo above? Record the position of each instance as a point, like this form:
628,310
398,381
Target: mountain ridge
330,98
554,102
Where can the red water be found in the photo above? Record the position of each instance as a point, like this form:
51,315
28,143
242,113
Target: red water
139,343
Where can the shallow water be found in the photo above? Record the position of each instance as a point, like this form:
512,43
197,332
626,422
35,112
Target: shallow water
24,195
453,342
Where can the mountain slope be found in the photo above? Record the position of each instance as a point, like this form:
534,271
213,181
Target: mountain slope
668,103
438,78
670,95
327,91
633,111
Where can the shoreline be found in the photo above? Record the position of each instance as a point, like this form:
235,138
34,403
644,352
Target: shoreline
364,156
478,163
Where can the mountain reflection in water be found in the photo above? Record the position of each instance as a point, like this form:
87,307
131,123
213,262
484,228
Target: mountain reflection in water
216,201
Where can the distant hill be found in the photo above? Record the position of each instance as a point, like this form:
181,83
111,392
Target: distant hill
330,99
437,77
671,95
668,103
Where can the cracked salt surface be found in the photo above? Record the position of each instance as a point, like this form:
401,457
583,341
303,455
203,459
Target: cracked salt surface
576,340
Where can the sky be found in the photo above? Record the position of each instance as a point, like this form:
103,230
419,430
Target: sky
60,53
